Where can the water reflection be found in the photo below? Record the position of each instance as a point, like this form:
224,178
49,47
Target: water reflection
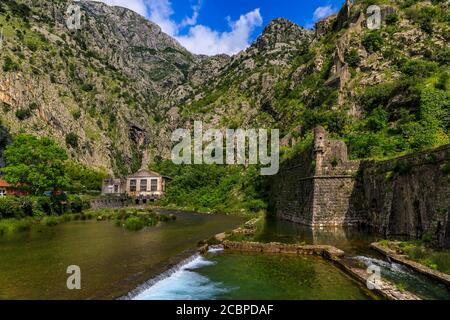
353,240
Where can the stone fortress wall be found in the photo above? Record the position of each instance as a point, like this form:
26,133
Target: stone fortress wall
407,196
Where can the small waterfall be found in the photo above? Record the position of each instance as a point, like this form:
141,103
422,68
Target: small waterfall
150,283
404,276
386,265
180,282
215,249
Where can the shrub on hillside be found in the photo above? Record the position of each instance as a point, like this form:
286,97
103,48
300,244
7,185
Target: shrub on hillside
10,65
419,68
373,41
23,114
72,140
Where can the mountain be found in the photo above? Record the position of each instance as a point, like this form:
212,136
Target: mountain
113,91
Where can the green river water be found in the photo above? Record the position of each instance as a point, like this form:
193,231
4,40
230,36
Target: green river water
114,262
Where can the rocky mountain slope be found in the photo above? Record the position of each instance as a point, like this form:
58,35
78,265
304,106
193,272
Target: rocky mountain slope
114,90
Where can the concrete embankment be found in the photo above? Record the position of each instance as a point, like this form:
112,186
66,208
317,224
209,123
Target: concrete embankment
403,259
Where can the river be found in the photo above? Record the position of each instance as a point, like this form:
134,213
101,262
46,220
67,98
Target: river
225,275
112,260
161,263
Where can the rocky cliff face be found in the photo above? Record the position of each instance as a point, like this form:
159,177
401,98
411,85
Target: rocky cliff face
104,83
120,85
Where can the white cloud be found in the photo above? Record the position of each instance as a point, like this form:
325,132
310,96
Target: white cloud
323,12
199,39
160,13
191,21
203,40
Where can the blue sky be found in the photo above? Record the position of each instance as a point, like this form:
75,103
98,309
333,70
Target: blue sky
225,26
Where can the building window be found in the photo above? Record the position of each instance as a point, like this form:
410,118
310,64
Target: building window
144,185
2,192
154,185
133,184
116,188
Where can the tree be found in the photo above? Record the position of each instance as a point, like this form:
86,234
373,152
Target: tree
84,179
35,164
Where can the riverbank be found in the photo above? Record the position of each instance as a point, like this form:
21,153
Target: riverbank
132,219
405,253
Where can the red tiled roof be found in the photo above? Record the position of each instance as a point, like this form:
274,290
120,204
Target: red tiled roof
4,184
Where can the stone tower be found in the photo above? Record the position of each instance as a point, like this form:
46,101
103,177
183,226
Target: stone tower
319,148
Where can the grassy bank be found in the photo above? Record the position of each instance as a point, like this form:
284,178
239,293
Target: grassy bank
132,219
420,252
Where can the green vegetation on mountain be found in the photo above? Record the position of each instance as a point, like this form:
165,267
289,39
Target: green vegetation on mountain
213,188
118,87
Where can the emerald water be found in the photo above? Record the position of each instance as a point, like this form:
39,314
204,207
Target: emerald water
113,261
355,242
224,275
241,276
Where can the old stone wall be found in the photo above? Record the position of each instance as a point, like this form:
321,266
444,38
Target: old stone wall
407,196
333,202
317,187
109,203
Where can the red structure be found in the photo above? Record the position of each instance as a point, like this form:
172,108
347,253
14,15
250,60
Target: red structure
7,190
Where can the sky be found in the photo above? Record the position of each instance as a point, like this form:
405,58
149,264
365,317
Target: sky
225,26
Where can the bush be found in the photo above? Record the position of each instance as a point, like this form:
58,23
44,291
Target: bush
352,58
26,203
427,17
23,113
134,224
443,81
87,87
446,168
45,205
72,140
76,114
373,41
419,68
10,65
76,205
84,179
50,221
14,225
10,208
392,19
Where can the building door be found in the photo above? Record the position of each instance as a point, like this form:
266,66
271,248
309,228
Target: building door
2,192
